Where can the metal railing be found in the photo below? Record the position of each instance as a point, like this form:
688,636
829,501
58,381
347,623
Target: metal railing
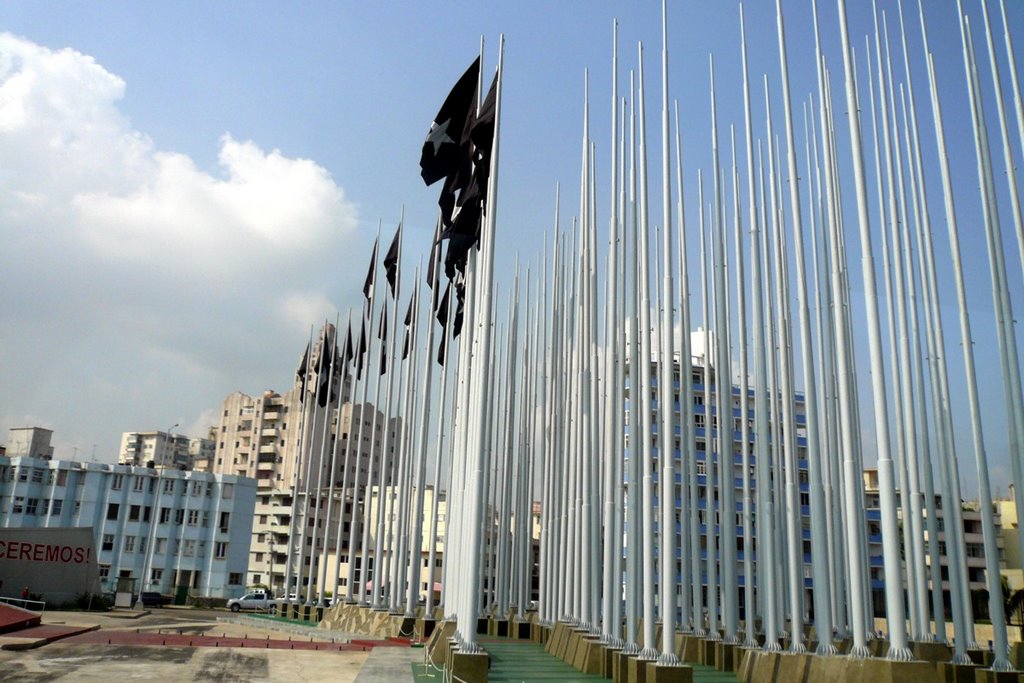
30,605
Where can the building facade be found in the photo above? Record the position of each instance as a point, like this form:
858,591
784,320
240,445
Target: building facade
305,470
173,531
163,450
29,442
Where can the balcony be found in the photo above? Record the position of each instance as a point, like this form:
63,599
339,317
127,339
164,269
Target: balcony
271,415
268,449
269,432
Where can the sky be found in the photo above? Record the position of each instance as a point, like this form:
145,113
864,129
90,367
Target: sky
186,188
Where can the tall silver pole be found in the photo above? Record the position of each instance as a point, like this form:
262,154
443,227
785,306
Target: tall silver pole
895,616
666,444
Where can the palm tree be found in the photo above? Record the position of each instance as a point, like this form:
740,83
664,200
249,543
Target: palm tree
1013,605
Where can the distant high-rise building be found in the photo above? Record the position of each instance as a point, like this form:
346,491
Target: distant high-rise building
283,443
162,450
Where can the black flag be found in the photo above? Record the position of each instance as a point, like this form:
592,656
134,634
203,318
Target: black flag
300,374
348,354
361,352
371,274
325,368
382,334
391,260
409,314
442,308
442,150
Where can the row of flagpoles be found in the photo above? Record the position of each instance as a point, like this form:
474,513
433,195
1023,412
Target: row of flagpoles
568,401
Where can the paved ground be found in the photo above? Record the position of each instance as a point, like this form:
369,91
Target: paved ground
193,645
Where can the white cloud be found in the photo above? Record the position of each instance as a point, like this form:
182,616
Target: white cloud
138,287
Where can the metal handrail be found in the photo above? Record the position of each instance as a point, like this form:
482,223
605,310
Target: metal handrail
24,603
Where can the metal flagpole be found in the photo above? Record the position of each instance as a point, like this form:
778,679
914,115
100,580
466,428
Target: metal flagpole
821,591
636,436
666,445
612,545
646,428
744,386
687,446
923,232
760,429
765,519
890,532
1011,379
468,612
322,582
825,612
917,582
325,432
1005,335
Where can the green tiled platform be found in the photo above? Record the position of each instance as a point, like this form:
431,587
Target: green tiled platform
515,661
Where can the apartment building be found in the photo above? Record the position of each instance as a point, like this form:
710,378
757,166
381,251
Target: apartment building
163,450
174,531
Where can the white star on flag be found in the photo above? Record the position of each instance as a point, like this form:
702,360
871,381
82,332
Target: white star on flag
439,135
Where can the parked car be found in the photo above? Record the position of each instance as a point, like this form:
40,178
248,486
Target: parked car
251,601
154,599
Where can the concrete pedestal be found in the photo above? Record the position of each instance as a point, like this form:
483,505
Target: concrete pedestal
956,673
660,673
706,652
745,658
990,676
608,661
471,668
589,656
764,667
636,670
793,667
501,626
930,651
841,669
725,656
686,648
1017,656
425,627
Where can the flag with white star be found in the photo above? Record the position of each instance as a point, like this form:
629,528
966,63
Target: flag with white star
442,150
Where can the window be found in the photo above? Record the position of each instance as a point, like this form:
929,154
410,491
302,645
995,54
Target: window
168,486
161,546
108,542
179,517
31,506
78,508
225,517
37,475
177,547
138,483
190,548
129,544
113,509
118,482
193,517
146,513
133,513
197,488
56,505
104,571
220,550
202,549
165,515
206,518
235,579
156,576
62,478
22,474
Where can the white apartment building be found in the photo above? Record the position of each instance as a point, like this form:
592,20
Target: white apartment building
163,449
174,531
29,442
288,446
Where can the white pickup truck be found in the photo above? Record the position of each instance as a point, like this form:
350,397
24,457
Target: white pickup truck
250,601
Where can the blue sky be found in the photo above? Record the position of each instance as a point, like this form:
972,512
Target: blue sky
196,183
